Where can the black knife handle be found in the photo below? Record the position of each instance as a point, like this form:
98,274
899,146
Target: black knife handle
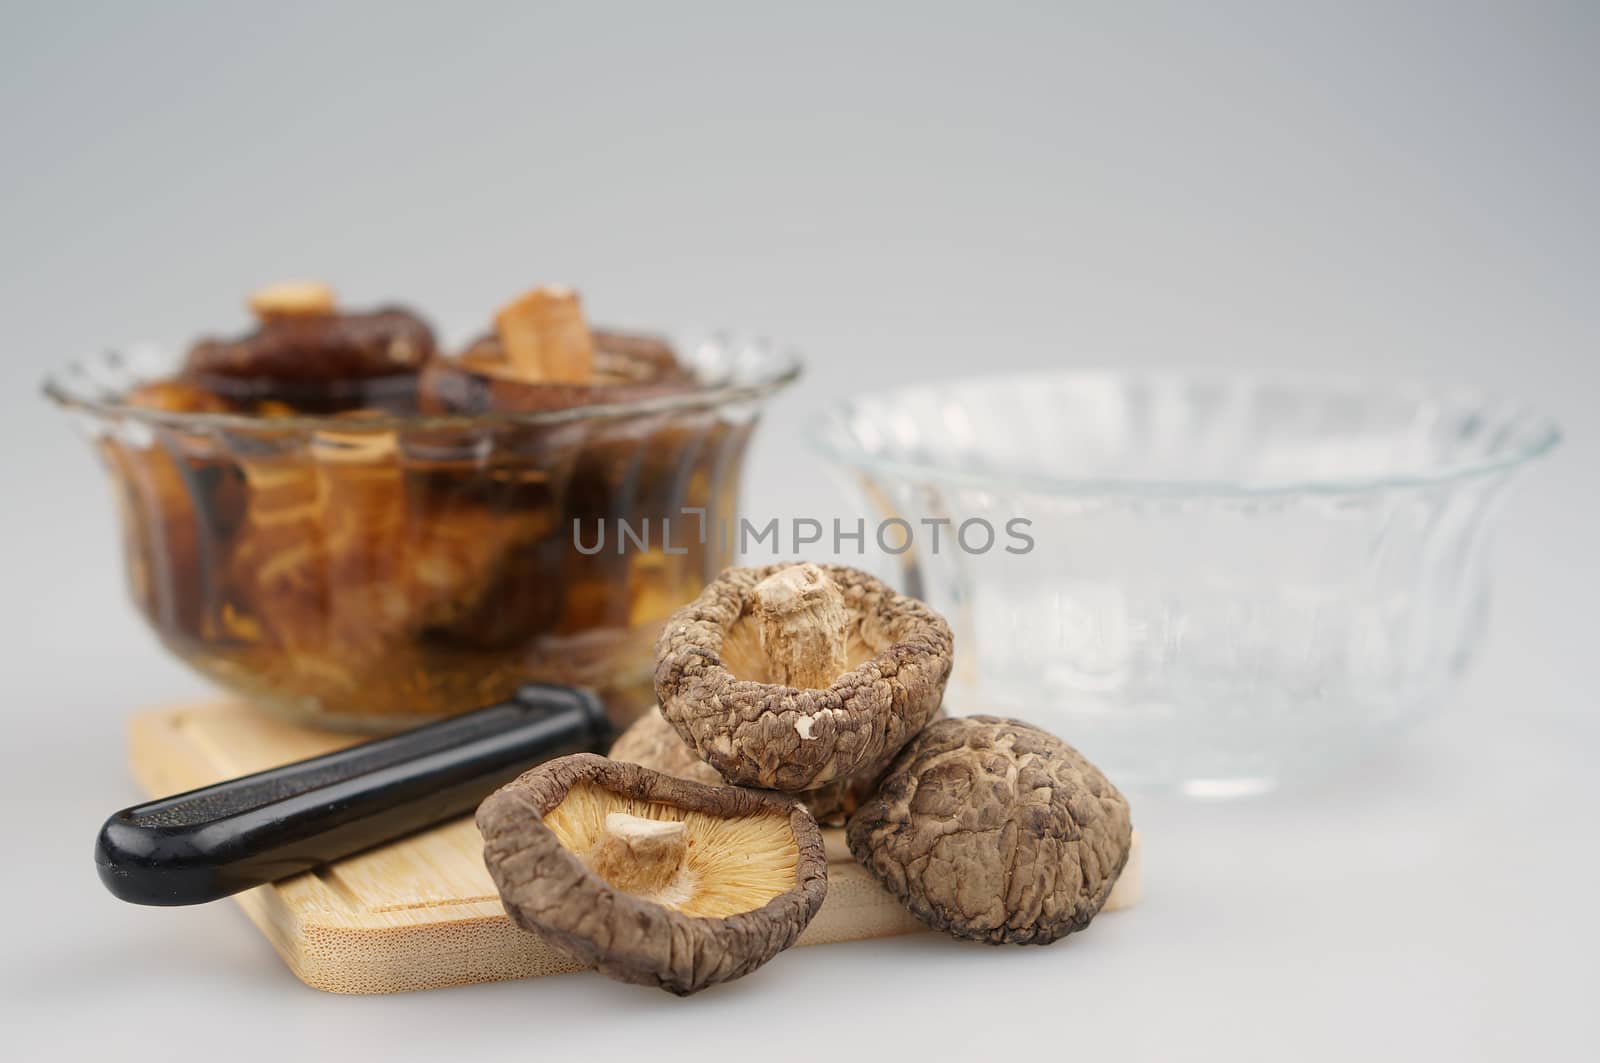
217,840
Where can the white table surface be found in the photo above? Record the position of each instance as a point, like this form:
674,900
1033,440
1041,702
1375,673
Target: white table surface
902,193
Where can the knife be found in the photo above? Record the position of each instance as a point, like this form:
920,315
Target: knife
212,842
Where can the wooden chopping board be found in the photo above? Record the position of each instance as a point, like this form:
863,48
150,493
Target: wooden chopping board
422,912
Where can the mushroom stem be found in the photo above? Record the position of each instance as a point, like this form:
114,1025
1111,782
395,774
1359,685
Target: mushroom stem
545,337
639,854
804,626
292,299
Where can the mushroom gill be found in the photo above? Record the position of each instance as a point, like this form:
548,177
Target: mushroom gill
724,866
651,879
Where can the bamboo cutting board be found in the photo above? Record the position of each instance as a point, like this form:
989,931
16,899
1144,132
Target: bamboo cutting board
422,912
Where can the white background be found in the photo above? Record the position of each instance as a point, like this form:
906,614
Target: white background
903,192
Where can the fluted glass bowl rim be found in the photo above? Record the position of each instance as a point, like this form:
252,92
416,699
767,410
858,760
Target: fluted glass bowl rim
827,435
775,366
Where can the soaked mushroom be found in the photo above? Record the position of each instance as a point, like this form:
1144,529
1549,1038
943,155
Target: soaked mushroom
332,570
542,356
176,396
797,675
651,879
652,742
324,551
640,357
545,337
993,830
287,299
306,355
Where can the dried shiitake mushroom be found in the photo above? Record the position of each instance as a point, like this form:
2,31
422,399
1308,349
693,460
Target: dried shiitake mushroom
651,879
652,742
796,675
833,802
994,830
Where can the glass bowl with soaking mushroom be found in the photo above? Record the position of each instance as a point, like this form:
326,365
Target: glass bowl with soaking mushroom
330,515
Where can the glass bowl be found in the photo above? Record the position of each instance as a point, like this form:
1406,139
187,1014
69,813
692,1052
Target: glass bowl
373,572
1207,582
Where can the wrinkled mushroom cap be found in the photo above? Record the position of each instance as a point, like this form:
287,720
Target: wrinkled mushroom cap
714,682
749,874
651,742
994,830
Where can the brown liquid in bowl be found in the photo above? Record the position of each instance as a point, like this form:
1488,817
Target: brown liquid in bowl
377,577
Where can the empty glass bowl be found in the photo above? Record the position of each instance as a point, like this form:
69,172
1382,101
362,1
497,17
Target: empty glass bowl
1206,582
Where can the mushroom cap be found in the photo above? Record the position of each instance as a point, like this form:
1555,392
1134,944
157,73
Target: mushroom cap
753,876
628,367
996,831
711,679
319,349
651,742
